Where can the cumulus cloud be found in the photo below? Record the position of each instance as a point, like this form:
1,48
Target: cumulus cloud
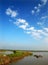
11,12
23,26
22,23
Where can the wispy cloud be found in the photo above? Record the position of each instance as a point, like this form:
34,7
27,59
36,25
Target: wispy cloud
44,17
37,33
43,21
11,12
46,29
36,9
44,1
33,11
39,5
40,24
24,25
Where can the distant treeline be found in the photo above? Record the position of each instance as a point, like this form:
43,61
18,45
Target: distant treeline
24,50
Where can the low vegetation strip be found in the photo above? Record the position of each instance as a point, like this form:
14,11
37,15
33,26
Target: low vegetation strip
9,58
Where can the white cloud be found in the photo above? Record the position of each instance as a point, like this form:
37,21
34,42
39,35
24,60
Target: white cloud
39,5
23,27
43,21
46,29
8,11
33,11
36,9
44,1
31,28
40,23
11,12
45,34
39,31
42,32
21,23
34,32
14,14
36,35
44,17
28,32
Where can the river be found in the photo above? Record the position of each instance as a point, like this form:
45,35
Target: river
31,60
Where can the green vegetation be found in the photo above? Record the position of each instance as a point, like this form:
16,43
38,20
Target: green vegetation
15,56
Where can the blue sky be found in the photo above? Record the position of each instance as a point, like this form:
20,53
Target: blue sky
24,24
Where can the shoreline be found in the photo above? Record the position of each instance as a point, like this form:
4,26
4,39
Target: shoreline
7,59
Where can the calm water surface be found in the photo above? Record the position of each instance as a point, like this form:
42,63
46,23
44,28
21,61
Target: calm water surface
31,60
6,52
